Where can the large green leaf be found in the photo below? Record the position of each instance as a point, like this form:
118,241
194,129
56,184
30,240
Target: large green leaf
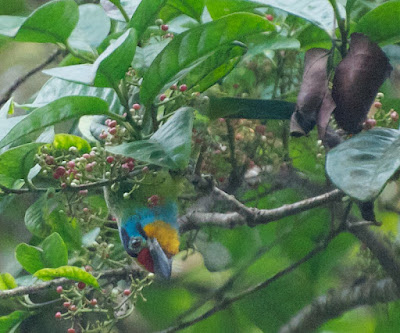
51,23
168,147
145,15
192,8
12,321
260,44
362,165
381,24
7,281
16,162
30,257
56,88
109,67
62,109
70,272
318,12
188,48
55,252
92,28
249,108
66,141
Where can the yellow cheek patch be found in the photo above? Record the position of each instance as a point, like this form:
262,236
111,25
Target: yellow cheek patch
166,236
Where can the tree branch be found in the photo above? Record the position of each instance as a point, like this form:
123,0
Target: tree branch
335,304
22,79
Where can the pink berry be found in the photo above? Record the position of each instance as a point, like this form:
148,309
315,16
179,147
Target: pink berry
86,210
103,135
162,97
127,292
58,315
145,169
369,123
59,289
88,268
87,156
112,123
110,159
83,193
49,160
60,171
269,17
174,87
81,285
73,307
89,167
71,330
183,87
378,105
164,27
107,122
71,164
112,130
125,167
66,305
394,116
93,302
136,106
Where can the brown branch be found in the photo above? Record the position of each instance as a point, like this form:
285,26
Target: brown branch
34,289
335,304
23,78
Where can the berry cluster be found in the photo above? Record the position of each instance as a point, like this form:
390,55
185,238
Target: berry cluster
378,116
115,134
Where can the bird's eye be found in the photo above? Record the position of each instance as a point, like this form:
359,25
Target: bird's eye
135,244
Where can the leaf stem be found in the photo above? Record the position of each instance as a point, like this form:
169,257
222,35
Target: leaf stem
342,28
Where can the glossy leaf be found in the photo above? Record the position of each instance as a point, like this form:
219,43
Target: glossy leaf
10,322
62,109
192,8
66,141
55,252
380,24
168,147
69,272
53,22
313,37
113,12
109,67
56,88
247,108
92,28
362,165
219,8
7,281
259,44
188,48
30,257
145,55
145,15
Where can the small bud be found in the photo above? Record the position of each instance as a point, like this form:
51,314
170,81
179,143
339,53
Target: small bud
71,330
269,17
73,149
183,87
112,130
369,124
49,160
93,302
59,289
380,95
88,268
145,169
83,192
136,106
110,159
394,116
159,22
89,167
73,308
81,285
58,315
164,27
103,135
86,156
66,305
127,292
107,122
174,87
378,105
126,195
112,123
162,97
71,164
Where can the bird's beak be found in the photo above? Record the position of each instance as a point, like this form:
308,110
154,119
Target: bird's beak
162,264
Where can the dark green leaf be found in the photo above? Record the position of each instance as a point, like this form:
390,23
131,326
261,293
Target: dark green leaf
219,8
145,15
381,24
12,321
67,227
69,272
109,67
30,257
259,44
16,162
51,23
55,252
66,141
362,165
192,8
62,109
249,108
7,281
188,48
169,147
313,37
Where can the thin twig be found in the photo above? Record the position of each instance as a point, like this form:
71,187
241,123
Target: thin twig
23,78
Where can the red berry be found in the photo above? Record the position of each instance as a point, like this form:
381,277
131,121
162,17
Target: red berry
66,305
81,285
93,302
162,97
73,307
154,200
83,193
71,330
174,87
136,106
112,130
58,315
60,171
87,156
127,292
112,123
164,27
49,160
125,167
269,17
183,87
59,289
378,105
110,159
71,164
394,116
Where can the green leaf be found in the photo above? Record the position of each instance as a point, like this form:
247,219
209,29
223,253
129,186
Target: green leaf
69,272
12,321
249,108
214,68
56,88
92,28
362,165
109,67
55,252
313,37
145,15
53,22
381,24
67,227
30,257
259,44
186,49
62,109
16,162
7,109
65,141
168,147
192,8
7,281
220,8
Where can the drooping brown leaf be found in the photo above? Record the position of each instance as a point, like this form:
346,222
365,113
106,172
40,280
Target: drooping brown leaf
313,90
357,80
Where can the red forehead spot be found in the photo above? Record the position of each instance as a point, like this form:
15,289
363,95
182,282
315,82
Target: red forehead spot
144,258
